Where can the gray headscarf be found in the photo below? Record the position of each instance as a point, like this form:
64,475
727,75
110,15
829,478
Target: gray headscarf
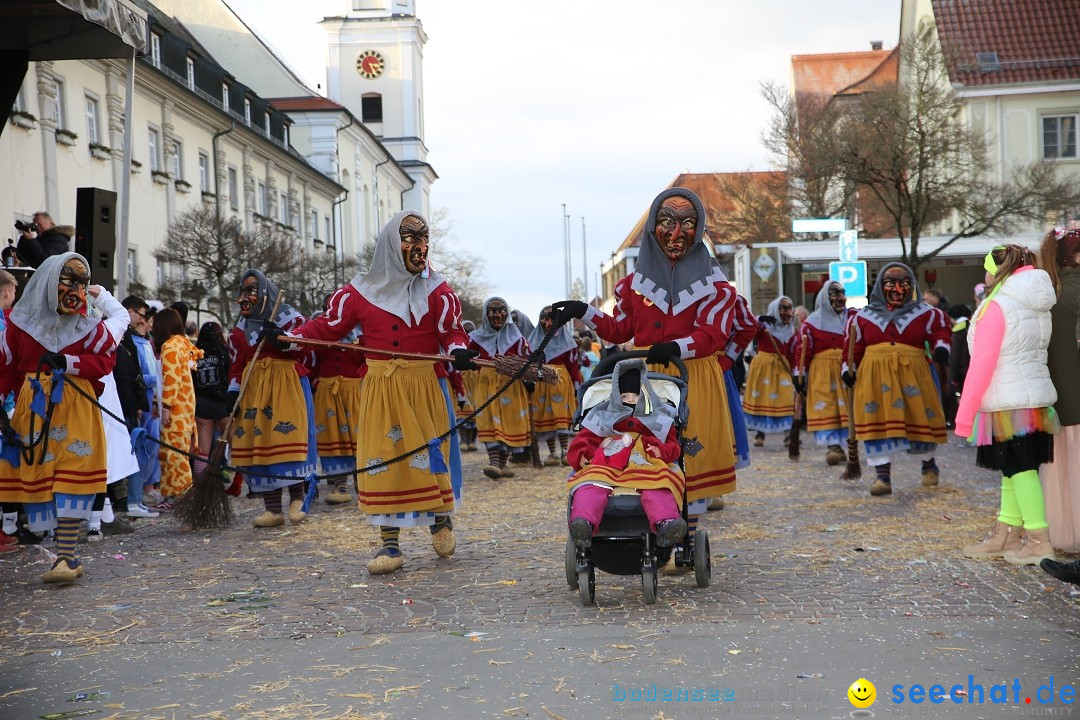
653,412
877,309
673,288
524,323
824,318
561,342
388,284
252,324
496,342
781,331
36,312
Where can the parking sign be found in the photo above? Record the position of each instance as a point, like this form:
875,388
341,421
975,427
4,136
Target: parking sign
852,275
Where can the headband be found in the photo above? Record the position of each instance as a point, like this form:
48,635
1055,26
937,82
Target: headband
989,264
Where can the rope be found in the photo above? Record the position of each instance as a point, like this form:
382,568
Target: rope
536,357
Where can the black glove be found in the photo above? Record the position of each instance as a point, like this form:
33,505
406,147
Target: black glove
529,386
271,333
848,376
662,353
463,359
767,319
566,310
800,385
230,399
941,355
57,361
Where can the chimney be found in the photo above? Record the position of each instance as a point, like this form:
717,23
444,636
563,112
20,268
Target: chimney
875,44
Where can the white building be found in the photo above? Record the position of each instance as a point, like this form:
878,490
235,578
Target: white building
217,118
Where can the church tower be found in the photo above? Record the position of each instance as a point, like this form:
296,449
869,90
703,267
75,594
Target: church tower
375,69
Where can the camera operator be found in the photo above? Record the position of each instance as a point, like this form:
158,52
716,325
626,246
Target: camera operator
43,238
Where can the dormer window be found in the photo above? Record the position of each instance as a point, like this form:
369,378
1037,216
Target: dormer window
247,111
225,95
190,74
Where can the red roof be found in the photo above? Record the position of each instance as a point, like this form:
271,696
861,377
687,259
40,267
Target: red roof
829,73
303,104
1035,41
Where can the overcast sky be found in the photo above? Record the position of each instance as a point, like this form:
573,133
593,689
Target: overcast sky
597,104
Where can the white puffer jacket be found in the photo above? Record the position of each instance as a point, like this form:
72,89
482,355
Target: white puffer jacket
1021,378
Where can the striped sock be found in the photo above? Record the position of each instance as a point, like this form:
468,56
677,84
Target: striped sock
551,444
339,483
564,442
272,501
493,455
390,537
884,472
504,457
67,534
296,491
691,527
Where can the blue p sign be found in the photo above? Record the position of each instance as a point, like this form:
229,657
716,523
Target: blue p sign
852,275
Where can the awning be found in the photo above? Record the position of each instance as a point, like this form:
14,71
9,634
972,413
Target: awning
72,29
823,251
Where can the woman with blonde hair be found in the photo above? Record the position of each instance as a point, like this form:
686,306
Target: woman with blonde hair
1006,406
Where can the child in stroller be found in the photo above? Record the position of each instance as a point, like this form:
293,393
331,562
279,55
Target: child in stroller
630,442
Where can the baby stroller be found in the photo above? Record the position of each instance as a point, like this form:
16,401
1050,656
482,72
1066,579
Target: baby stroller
623,543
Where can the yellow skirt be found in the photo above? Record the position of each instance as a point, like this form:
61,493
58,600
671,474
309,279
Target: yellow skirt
709,462
403,407
468,379
337,415
642,472
553,406
826,408
75,456
273,423
507,419
896,397
769,391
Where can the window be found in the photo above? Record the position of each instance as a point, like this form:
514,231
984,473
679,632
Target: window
178,161
92,120
155,50
160,274
266,124
313,225
371,108
190,74
327,236
234,190
132,265
283,209
247,111
58,108
204,172
154,147
225,95
286,131
260,199
1059,137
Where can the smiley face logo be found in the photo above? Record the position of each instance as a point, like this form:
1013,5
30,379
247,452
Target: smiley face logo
862,693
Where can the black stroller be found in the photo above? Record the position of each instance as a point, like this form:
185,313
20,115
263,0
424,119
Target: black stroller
624,544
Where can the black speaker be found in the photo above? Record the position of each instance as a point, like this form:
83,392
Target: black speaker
95,233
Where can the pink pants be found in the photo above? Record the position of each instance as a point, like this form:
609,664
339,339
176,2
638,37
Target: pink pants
590,500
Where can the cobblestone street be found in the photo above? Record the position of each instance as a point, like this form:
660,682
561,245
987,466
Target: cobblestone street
815,584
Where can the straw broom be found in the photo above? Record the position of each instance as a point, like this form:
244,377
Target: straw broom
853,469
206,505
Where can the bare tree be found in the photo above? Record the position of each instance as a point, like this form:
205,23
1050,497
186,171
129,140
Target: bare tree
907,147
759,210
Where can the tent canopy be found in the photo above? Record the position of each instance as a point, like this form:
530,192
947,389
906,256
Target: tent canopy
72,29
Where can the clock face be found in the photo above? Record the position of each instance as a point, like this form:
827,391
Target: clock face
370,64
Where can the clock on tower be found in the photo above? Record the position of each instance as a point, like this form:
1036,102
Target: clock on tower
370,64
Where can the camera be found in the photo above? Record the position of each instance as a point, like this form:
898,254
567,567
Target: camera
25,227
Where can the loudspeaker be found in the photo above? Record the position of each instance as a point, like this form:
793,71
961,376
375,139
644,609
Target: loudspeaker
95,233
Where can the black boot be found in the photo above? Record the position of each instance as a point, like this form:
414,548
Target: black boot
1066,572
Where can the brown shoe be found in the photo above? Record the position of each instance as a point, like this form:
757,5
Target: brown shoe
384,563
1034,548
493,472
296,511
506,472
880,488
269,519
551,461
444,542
930,478
1004,537
338,497
715,503
759,440
834,455
63,571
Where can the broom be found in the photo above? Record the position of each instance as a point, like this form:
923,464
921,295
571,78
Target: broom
206,505
508,365
793,435
853,469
